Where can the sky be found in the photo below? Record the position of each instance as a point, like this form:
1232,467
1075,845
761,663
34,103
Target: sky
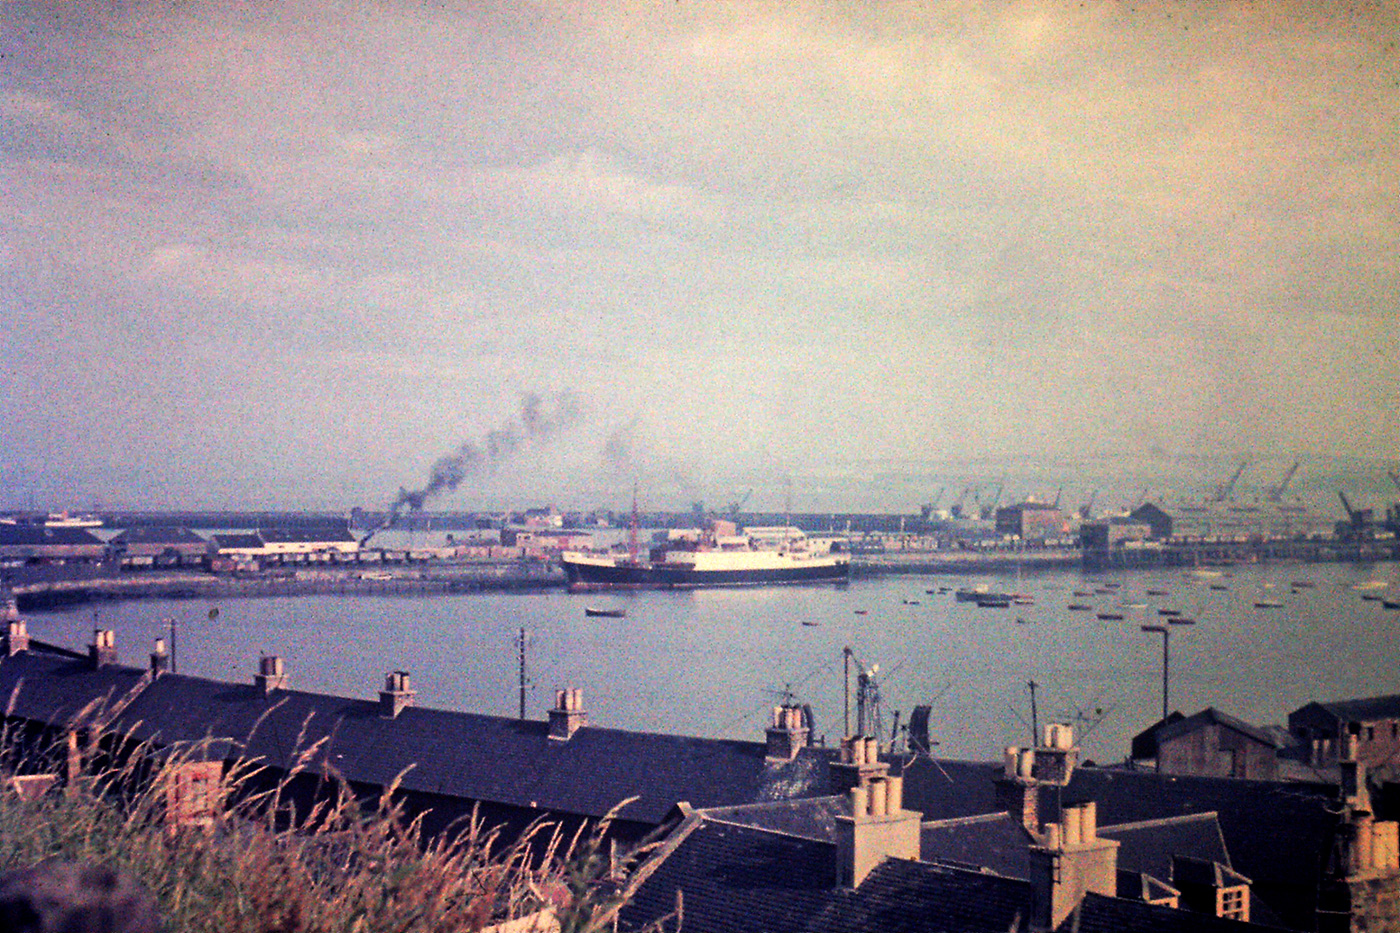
292,255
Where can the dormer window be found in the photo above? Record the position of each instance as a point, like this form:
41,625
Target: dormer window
1234,903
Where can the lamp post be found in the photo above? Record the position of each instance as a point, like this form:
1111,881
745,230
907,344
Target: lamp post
1166,634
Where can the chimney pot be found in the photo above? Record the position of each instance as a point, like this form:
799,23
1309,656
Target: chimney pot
568,715
103,650
396,695
872,750
894,800
160,659
1073,821
860,802
879,799
272,674
17,637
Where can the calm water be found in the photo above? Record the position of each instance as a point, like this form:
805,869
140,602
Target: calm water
712,662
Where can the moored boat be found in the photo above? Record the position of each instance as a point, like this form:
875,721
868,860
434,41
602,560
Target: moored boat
715,556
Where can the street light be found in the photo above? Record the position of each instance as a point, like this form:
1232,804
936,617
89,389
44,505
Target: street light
1166,634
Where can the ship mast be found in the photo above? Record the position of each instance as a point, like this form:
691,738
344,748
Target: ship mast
632,529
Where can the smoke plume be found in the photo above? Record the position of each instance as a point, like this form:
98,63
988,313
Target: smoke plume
541,417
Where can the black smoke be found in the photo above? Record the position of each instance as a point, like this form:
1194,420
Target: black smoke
541,417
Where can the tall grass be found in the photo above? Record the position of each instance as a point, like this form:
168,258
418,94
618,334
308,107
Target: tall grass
344,866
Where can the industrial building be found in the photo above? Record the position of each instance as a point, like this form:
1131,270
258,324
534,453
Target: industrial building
1032,521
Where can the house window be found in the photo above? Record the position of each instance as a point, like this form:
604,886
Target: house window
1370,733
1234,903
1395,730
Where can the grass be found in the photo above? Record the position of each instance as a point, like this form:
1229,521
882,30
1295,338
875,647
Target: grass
345,866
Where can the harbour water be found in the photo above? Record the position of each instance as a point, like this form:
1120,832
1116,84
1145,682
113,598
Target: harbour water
711,662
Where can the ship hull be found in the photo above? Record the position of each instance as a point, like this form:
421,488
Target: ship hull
603,574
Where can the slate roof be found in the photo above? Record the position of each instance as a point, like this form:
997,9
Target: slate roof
1276,833
994,841
735,879
1212,716
1150,845
54,690
242,540
36,535
744,879
306,535
158,534
808,818
476,757
1365,709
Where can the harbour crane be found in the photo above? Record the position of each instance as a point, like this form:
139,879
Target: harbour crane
927,509
737,505
1275,493
1088,507
1227,490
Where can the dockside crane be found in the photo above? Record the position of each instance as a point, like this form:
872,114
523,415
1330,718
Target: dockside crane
1358,524
1275,493
927,509
1088,507
1227,489
990,511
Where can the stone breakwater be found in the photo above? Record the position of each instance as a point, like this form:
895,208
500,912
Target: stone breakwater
447,578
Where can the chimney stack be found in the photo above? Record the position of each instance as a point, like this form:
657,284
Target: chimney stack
568,715
788,734
859,764
103,650
17,638
271,675
160,659
396,695
878,828
1069,860
1028,773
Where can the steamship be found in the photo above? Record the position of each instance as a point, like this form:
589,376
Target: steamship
712,557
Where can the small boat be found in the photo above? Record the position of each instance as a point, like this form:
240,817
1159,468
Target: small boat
911,602
1156,592
1133,605
1021,599
1021,620
1219,586
811,624
1267,604
1302,584
1168,612
1111,616
1082,593
1371,597
604,613
1391,603
1079,607
1180,620
994,602
861,612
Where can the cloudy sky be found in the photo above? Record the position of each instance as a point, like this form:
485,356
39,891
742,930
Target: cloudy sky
285,254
